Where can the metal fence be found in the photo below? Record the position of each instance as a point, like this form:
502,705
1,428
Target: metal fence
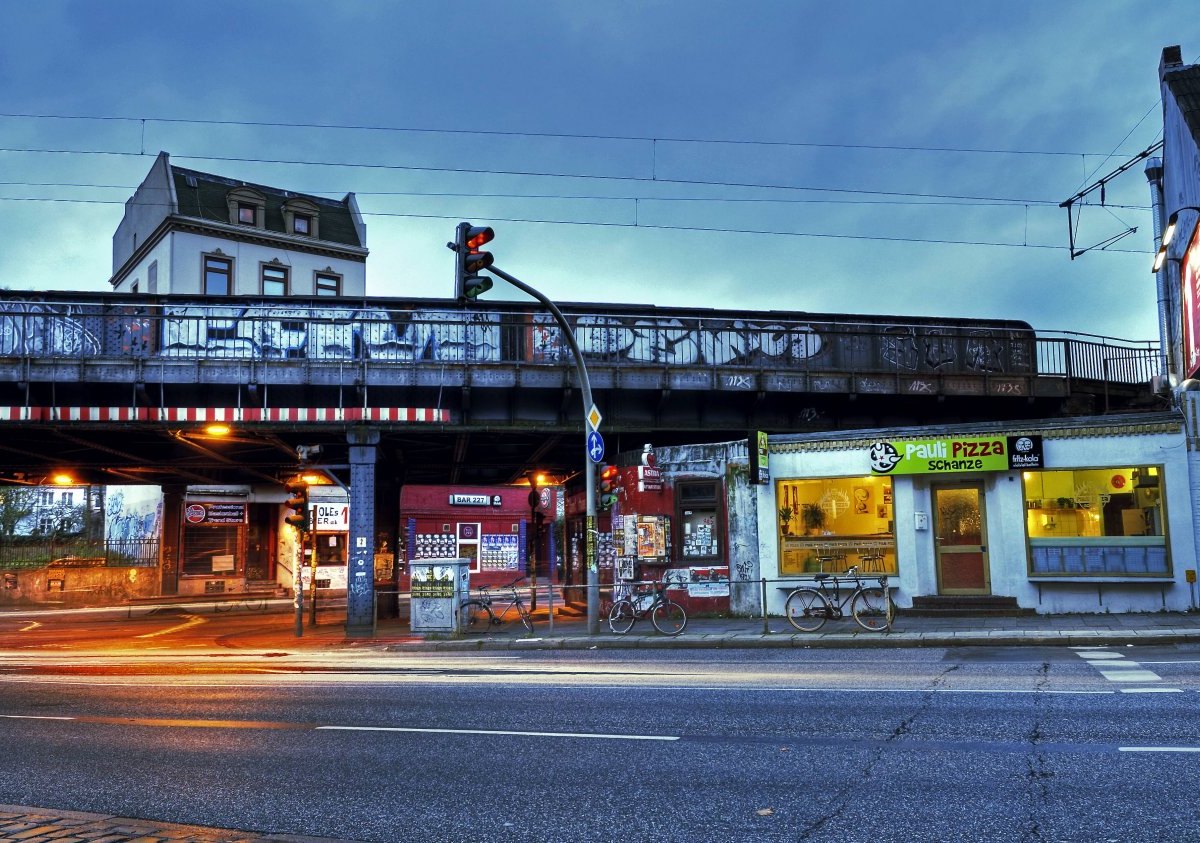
400,332
27,553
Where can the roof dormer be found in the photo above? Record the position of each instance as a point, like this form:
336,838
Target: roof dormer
247,207
301,217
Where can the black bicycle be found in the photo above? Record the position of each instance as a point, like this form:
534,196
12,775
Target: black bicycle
668,617
807,608
481,614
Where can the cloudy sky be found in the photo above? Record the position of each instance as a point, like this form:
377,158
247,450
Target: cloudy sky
879,157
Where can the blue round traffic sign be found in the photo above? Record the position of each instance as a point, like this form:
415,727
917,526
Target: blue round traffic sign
595,446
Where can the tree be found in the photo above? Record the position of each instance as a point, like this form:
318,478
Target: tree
17,503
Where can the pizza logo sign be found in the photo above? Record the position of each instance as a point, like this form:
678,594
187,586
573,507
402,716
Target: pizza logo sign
194,514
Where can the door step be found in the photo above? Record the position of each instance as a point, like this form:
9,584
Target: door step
948,606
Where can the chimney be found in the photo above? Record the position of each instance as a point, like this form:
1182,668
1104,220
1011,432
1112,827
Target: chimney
1172,59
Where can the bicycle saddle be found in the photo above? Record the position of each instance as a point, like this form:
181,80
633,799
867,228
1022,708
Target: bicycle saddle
819,577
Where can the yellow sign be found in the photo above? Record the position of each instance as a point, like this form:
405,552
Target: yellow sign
957,454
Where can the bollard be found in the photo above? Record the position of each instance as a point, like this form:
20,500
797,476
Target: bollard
766,625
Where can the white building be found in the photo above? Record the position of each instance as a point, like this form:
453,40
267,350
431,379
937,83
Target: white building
186,232
1062,515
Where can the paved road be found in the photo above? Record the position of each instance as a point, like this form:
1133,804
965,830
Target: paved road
1028,744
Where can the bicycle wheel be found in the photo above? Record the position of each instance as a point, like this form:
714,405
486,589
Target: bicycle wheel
806,609
621,617
669,618
526,618
479,615
872,608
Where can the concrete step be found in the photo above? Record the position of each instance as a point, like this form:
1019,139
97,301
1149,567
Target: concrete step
949,606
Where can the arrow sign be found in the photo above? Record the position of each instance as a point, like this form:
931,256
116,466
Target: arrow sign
595,446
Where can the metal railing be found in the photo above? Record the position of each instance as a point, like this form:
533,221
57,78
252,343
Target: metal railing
386,332
28,553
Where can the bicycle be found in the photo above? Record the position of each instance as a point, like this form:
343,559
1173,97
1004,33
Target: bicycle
808,608
668,617
480,613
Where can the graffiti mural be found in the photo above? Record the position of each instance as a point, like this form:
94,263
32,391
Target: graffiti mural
403,332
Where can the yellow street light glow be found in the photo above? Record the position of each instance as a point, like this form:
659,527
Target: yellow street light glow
63,479
217,430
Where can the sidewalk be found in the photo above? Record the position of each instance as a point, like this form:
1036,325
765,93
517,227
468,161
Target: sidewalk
570,633
34,825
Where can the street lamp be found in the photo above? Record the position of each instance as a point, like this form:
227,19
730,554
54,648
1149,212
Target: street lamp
1168,235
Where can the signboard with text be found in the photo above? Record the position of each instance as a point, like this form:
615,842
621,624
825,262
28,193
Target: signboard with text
1189,276
956,454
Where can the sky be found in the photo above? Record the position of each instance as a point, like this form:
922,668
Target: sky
877,158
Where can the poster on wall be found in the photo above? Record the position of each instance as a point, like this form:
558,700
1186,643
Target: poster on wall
708,581
132,513
651,537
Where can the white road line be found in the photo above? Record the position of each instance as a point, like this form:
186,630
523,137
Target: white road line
32,625
33,717
502,732
1130,675
1151,690
1158,749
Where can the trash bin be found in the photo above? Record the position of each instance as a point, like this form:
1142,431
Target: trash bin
437,588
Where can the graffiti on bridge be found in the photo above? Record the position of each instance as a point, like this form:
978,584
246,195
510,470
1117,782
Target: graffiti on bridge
267,331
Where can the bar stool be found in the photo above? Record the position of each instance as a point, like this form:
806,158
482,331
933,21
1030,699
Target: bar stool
872,561
831,560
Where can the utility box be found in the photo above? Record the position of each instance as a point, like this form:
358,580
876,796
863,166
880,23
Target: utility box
437,590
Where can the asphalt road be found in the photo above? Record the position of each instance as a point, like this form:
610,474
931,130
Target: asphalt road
1022,744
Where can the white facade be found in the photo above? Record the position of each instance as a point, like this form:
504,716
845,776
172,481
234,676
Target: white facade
1075,444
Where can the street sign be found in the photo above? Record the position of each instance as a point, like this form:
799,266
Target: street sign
595,446
594,418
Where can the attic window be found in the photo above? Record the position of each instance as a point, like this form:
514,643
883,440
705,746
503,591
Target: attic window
247,207
300,217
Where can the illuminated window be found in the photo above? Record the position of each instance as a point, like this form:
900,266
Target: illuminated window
833,523
1096,522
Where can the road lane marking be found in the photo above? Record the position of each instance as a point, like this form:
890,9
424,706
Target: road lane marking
1158,748
193,620
494,732
33,717
1151,690
1116,668
32,626
1130,675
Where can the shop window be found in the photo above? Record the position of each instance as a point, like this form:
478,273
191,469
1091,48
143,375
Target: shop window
698,520
1096,521
832,523
210,550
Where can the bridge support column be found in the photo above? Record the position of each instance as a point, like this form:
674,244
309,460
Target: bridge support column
360,574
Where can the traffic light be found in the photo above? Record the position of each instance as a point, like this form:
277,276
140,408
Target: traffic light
607,485
298,503
468,283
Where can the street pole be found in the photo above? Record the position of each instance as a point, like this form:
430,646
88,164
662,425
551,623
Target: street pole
589,467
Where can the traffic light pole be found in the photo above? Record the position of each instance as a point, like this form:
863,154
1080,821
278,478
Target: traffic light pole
589,468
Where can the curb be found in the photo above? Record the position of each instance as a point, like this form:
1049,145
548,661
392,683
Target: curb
787,641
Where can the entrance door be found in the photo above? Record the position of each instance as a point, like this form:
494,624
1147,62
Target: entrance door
960,540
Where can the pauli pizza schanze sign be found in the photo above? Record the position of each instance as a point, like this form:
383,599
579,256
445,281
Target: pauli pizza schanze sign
954,454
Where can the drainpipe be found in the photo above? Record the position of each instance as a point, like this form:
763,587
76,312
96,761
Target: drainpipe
1166,351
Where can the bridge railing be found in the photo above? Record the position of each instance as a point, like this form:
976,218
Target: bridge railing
387,332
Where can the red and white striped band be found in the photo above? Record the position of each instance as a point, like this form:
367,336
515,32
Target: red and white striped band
242,415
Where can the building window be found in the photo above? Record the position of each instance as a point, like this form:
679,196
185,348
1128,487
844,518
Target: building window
301,216
152,278
247,206
302,224
832,523
1096,521
698,520
274,280
328,284
218,276
211,550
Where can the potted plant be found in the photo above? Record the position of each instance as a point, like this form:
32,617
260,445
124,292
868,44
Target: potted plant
785,518
813,518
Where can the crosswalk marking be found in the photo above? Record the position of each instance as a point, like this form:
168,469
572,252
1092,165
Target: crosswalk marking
1116,668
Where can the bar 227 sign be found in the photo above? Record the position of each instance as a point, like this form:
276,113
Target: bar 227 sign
956,454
